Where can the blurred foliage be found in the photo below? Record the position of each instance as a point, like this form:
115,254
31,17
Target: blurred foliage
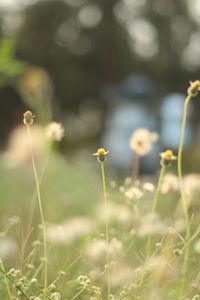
87,46
9,66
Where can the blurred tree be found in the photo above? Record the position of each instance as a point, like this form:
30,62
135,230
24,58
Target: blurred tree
86,45
83,47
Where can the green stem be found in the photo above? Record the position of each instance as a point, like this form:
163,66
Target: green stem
183,197
80,292
154,205
5,280
106,230
12,281
41,211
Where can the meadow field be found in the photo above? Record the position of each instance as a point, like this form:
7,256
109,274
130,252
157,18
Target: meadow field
70,230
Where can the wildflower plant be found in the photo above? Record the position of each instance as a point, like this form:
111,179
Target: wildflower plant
28,121
141,142
101,156
151,251
166,158
192,91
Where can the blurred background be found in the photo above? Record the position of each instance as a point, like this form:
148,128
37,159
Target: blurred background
103,68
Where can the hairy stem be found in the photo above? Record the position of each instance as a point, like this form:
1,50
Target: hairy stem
154,206
5,280
41,210
106,230
183,196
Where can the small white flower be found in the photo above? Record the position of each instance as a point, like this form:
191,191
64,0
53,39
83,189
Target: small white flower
55,131
142,141
148,187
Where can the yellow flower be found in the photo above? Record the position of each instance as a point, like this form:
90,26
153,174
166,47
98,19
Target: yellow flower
101,154
28,118
167,156
194,88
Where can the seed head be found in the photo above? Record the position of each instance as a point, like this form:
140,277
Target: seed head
28,118
177,252
194,88
101,154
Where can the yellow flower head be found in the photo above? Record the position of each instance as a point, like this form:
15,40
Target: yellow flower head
194,88
167,156
101,154
28,118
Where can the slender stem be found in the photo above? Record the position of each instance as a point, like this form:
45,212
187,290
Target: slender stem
183,196
12,281
41,211
136,166
180,174
6,281
154,205
106,230
80,292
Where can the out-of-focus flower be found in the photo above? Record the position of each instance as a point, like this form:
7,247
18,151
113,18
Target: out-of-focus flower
68,232
34,80
55,131
96,249
194,88
160,268
133,193
148,187
121,274
177,252
191,184
142,141
197,246
115,246
150,224
101,154
167,156
20,147
170,183
56,296
114,212
8,247
28,118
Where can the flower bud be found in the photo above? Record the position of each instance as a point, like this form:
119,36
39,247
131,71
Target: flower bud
194,88
101,154
28,118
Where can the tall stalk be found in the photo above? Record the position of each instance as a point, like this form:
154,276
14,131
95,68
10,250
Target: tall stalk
28,120
192,92
106,228
2,269
183,196
154,206
101,156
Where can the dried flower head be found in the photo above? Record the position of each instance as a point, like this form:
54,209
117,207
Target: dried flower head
55,131
167,156
28,118
142,141
101,154
177,252
194,88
